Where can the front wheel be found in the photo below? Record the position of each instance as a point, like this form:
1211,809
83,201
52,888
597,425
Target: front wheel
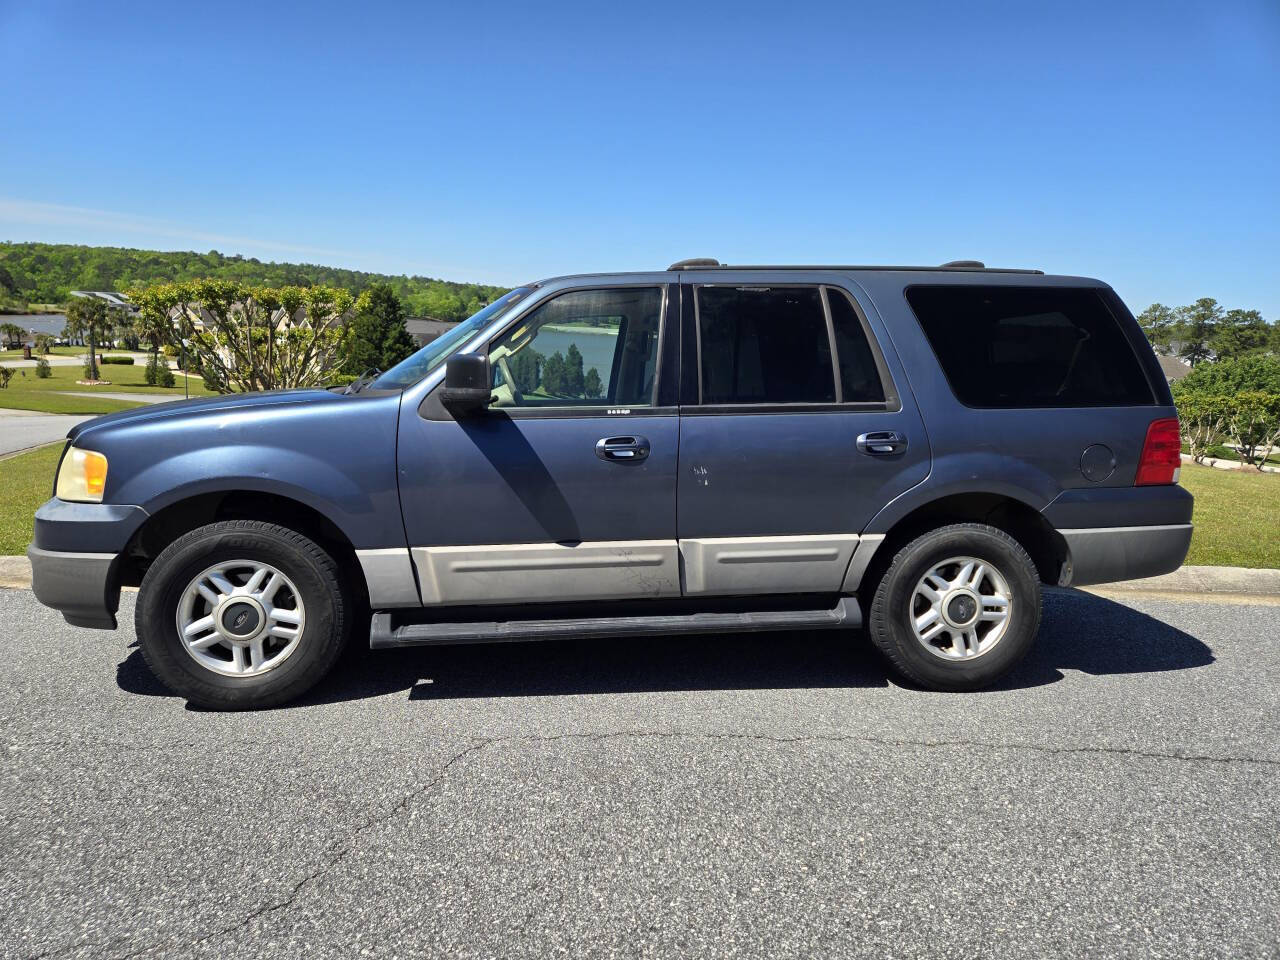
957,608
241,614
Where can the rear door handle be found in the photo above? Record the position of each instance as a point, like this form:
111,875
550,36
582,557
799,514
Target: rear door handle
882,443
623,449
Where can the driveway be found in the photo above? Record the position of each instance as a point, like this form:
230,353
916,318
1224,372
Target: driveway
22,429
764,796
135,397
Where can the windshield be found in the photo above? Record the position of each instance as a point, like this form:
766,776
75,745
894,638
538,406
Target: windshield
412,369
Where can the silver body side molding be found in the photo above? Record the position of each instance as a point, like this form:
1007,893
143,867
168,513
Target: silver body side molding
521,572
388,574
616,569
868,544
813,563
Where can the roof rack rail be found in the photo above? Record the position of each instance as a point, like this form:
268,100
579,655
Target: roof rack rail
956,266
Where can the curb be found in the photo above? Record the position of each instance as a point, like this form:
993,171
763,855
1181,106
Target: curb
1241,581
15,572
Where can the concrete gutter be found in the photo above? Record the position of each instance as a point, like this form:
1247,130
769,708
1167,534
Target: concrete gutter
1214,582
1203,580
15,572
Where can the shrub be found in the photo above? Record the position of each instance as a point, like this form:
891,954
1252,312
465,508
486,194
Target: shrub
1253,423
43,370
88,369
1200,417
5,374
1225,377
158,373
122,361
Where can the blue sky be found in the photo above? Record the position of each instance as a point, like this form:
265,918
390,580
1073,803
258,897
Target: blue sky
1138,142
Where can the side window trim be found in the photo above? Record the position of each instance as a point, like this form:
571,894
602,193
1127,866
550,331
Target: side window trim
892,399
831,343
892,402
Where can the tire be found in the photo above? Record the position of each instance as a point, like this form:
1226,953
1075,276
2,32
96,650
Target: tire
937,655
306,606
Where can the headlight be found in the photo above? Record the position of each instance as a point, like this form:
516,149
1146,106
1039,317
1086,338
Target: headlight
82,476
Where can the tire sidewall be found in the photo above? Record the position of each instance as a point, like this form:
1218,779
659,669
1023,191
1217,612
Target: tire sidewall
892,606
298,558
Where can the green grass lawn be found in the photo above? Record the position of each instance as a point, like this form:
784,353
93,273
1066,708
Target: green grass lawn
26,391
28,482
1237,517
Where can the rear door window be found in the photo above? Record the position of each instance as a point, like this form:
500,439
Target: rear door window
764,345
1004,346
859,375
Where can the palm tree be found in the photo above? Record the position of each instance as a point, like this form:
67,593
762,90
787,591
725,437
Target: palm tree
14,334
87,316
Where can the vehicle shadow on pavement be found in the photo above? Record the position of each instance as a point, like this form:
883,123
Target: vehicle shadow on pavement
1094,635
1079,632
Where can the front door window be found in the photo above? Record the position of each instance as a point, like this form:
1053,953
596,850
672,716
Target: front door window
585,348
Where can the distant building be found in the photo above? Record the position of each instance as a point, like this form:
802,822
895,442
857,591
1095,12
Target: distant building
1173,368
112,298
425,329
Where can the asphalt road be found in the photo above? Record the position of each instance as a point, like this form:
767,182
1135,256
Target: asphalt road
769,797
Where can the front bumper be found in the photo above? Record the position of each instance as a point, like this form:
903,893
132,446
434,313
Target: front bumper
82,586
75,558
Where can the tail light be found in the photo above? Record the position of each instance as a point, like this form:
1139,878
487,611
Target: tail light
1161,454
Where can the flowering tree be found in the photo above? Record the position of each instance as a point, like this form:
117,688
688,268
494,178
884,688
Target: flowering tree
246,337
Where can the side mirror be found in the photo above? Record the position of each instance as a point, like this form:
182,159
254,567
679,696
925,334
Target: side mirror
468,384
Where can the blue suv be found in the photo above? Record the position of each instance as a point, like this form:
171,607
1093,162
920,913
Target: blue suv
709,448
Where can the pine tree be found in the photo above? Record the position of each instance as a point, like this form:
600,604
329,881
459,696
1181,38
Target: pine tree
573,377
378,338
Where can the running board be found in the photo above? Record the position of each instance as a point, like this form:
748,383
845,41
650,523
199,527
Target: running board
388,630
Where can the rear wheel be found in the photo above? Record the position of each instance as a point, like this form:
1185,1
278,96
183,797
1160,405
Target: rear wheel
957,608
241,614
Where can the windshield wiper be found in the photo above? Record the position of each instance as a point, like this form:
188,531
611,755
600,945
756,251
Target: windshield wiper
362,381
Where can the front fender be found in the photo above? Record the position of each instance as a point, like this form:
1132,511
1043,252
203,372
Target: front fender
337,458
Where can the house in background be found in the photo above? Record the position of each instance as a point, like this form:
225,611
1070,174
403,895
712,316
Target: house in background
113,299
1173,368
425,329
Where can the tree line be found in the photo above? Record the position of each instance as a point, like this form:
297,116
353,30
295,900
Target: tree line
48,272
1205,330
1229,404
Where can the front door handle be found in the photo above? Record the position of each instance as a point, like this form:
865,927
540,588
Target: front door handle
882,443
623,449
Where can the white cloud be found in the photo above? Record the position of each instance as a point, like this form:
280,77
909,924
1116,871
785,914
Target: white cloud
29,213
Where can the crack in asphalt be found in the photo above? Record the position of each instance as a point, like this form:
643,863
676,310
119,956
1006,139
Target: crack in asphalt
346,845
886,742
343,850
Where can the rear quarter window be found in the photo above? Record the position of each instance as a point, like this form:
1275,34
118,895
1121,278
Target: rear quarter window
1004,347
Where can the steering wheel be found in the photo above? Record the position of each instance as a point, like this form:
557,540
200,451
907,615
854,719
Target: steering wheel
510,381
